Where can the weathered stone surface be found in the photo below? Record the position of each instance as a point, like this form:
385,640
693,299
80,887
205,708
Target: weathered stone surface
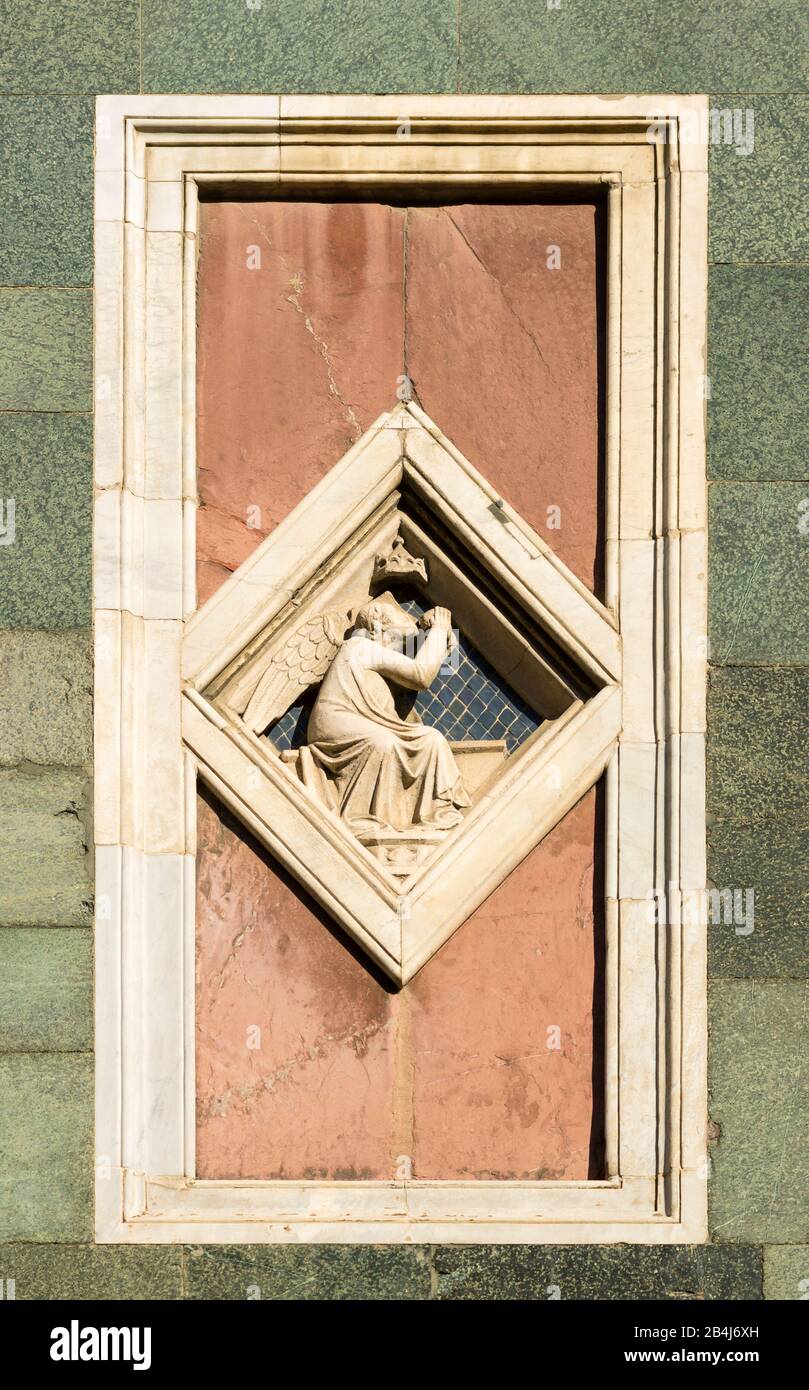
296,358
46,1169
86,46
759,573
612,1273
294,1036
43,849
46,213
46,466
757,818
85,1272
299,46
758,412
527,416
771,858
304,1272
758,209
502,351
505,1089
348,1078
759,1098
45,349
46,684
637,46
786,1272
46,989
756,734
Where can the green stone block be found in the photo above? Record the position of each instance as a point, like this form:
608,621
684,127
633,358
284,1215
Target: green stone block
46,175
46,1130
86,46
758,587
758,411
85,1272
46,989
300,1273
637,46
551,1273
759,1098
786,1273
771,859
46,687
46,350
299,46
43,849
756,745
758,209
46,467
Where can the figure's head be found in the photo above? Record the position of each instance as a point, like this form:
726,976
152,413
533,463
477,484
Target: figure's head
386,621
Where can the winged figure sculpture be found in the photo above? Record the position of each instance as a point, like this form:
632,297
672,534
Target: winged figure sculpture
302,661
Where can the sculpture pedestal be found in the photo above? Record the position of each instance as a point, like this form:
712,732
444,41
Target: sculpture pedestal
402,852
479,761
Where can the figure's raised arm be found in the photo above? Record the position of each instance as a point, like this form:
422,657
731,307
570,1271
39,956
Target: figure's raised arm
419,671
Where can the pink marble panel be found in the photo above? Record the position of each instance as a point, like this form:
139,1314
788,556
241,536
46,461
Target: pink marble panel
502,350
309,1064
301,326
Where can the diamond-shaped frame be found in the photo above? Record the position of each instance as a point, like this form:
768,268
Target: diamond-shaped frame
400,930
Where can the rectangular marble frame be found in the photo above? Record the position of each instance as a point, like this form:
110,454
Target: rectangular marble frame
152,155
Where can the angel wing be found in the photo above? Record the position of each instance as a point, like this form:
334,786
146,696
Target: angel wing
303,660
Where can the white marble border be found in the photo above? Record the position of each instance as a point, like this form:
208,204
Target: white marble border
152,154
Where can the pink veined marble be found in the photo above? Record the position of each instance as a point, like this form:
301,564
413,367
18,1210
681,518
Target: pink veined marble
309,1063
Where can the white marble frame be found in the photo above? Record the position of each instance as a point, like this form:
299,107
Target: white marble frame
152,155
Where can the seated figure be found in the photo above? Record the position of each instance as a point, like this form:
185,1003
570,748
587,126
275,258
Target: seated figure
376,770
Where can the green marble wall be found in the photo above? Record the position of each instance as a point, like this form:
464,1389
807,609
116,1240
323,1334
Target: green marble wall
752,55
